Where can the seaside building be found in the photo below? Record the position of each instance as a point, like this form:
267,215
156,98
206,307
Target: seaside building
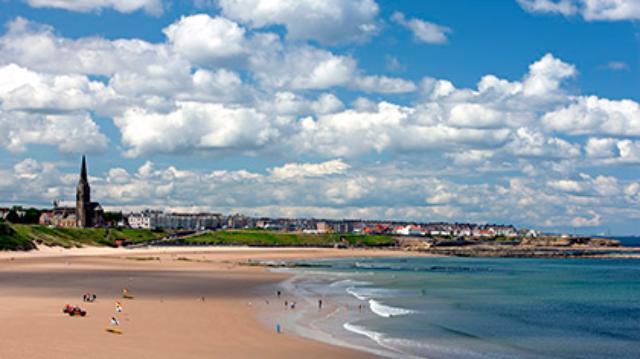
60,216
149,219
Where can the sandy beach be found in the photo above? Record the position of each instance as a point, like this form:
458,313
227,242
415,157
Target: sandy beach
189,303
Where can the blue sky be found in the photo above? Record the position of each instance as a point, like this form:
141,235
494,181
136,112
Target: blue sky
522,111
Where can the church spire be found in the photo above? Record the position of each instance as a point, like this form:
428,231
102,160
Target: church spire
83,170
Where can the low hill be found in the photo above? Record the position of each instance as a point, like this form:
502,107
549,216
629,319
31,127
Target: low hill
11,240
25,237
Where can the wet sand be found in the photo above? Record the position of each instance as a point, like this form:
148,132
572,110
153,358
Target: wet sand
189,303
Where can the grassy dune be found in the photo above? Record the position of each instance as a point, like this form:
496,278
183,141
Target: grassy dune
276,239
24,237
12,240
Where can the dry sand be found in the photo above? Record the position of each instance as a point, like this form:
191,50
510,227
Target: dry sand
168,317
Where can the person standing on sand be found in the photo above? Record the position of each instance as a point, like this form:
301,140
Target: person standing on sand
319,303
278,294
278,329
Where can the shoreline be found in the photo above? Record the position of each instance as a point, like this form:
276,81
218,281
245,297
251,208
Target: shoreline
189,303
235,283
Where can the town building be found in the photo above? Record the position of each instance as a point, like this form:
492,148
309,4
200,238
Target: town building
149,219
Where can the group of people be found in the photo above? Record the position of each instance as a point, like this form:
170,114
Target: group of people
119,308
287,305
89,297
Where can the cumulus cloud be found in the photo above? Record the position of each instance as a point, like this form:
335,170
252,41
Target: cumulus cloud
303,67
590,10
593,115
22,89
384,84
125,6
387,127
69,133
529,143
203,39
194,126
423,31
294,170
328,22
613,151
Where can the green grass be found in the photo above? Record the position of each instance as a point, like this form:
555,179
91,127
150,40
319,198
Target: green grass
261,238
11,240
21,236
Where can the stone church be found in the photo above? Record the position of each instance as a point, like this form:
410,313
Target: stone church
86,214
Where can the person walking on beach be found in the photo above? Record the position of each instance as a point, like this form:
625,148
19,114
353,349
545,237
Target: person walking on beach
278,329
319,303
278,294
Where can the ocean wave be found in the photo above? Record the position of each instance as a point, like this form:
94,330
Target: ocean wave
387,311
361,265
375,336
348,283
354,292
382,340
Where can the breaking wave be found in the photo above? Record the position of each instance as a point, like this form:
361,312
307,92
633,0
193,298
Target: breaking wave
387,311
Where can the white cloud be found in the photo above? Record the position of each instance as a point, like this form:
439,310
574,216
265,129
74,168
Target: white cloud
596,116
590,10
569,186
613,151
529,143
616,66
595,220
35,46
302,68
423,31
194,126
203,39
546,75
22,89
564,7
329,21
384,84
126,6
387,127
69,133
295,170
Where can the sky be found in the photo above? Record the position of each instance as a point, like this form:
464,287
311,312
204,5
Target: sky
520,112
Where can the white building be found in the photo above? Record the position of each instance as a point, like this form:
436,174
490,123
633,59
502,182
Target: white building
188,221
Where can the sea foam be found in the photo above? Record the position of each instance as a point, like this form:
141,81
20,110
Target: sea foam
387,311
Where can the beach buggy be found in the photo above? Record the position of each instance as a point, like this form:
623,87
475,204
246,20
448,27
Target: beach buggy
73,311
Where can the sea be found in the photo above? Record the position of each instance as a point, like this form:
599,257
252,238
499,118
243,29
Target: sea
452,307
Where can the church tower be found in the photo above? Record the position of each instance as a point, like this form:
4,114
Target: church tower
83,198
